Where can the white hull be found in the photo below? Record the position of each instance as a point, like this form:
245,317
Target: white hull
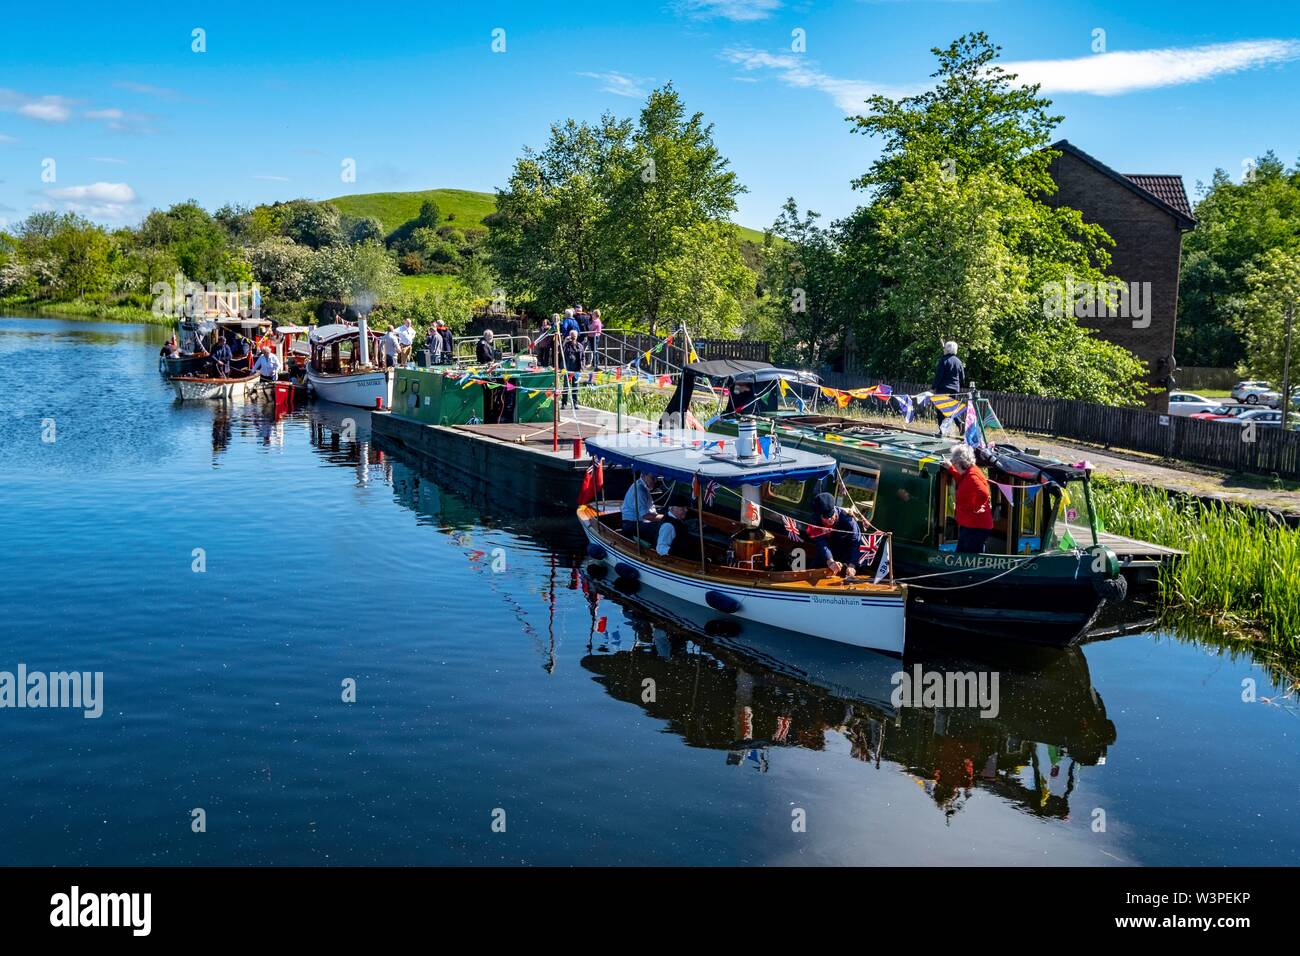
360,390
197,391
875,620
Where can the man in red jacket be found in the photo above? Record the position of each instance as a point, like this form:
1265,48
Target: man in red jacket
974,505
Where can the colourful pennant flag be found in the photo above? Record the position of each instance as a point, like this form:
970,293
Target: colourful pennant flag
867,551
905,403
791,528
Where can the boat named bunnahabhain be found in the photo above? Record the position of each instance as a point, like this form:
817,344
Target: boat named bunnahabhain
743,570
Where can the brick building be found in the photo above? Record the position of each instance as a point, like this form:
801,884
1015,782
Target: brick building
1146,215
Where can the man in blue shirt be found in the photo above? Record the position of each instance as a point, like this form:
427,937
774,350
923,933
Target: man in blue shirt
640,516
569,324
837,548
221,357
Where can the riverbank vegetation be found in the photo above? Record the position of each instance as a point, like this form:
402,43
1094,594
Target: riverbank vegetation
1241,566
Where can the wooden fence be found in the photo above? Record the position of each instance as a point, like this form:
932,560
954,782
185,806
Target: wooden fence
1260,450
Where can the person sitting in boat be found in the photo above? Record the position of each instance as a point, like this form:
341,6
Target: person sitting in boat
267,365
674,535
836,538
220,357
171,349
238,346
640,517
974,505
485,353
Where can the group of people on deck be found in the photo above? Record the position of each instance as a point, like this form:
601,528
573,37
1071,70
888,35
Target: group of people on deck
579,336
224,352
835,535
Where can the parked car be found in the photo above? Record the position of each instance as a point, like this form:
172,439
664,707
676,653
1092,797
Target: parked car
1241,390
1224,413
1189,403
1266,418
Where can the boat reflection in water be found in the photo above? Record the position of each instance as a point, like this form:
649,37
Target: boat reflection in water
751,691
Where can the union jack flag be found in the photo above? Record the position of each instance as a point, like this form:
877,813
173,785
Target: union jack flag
791,528
870,545
710,491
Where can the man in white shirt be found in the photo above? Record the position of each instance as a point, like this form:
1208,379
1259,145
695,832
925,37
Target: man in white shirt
673,536
267,365
405,337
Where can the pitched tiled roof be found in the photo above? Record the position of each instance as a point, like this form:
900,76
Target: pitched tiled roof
1168,189
1169,197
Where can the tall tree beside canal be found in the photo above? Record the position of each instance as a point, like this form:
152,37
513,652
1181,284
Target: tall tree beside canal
956,242
631,217
1268,321
1237,222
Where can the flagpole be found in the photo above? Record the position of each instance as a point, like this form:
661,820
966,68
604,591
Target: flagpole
699,514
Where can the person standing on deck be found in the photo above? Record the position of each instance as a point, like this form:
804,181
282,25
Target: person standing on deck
267,365
405,339
433,345
639,512
596,329
674,536
837,547
570,324
572,352
974,504
448,346
221,357
948,377
389,347
485,352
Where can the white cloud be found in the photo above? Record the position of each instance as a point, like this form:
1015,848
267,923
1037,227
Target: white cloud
95,192
108,159
273,179
48,109
620,84
112,201
1110,74
738,11
1102,74
7,139
799,71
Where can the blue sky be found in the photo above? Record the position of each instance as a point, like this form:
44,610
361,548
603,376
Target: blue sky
285,92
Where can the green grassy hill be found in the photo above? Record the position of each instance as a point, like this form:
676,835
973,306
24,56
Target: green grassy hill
469,208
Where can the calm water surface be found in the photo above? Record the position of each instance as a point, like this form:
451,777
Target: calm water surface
330,557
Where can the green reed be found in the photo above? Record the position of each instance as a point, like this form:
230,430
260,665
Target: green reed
1242,565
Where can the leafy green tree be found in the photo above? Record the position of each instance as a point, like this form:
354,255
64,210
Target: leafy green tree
314,224
803,268
668,185
1236,223
1268,319
361,274
199,243
430,216
362,229
544,239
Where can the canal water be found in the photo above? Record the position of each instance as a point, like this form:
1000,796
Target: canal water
233,575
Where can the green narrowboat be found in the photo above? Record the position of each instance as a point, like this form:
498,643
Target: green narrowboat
1046,571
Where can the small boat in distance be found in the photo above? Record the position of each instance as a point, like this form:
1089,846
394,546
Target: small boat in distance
743,571
339,369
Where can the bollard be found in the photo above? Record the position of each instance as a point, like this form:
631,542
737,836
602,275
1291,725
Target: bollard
577,448
379,403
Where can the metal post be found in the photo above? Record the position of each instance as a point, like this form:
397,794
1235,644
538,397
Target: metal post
1286,371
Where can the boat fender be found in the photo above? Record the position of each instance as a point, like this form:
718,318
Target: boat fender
596,551
597,570
1113,590
626,571
722,602
627,585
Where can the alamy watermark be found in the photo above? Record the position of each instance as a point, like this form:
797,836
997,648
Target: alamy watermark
1110,299
82,690
948,689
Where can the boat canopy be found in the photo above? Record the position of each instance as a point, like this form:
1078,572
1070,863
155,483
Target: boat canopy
728,373
1030,467
683,454
325,334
